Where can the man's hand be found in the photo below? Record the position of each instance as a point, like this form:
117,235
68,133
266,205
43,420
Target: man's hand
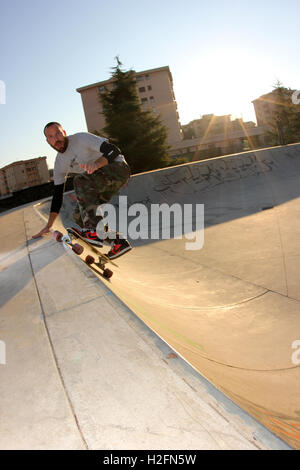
90,167
44,231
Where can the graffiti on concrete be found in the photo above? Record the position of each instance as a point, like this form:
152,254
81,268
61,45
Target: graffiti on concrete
208,175
202,177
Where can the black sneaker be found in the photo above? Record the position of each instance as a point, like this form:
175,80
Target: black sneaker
119,247
90,235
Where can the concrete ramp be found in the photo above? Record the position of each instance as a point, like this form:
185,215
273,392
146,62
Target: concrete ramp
231,310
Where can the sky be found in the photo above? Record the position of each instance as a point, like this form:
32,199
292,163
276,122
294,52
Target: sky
222,55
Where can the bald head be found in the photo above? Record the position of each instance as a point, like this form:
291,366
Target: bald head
53,123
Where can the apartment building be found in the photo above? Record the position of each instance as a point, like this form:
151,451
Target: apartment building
209,125
222,144
23,174
3,187
155,90
219,135
266,107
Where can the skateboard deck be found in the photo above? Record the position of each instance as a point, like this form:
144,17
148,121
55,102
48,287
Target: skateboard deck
79,249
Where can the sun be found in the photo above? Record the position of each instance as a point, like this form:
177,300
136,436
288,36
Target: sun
223,81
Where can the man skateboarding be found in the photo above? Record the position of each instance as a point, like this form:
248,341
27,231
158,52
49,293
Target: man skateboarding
101,171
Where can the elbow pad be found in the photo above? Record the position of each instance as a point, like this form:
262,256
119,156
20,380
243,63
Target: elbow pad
109,151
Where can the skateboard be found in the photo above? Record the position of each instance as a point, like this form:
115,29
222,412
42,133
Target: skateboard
71,235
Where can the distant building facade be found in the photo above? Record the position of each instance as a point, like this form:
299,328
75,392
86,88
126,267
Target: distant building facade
267,106
219,135
278,115
209,125
23,174
264,107
155,90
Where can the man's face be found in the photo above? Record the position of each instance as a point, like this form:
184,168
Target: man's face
57,138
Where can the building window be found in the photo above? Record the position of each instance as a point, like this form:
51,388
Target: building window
149,87
144,100
152,100
142,89
147,77
140,78
101,88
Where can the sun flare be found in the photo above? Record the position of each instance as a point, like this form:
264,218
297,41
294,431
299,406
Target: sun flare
223,81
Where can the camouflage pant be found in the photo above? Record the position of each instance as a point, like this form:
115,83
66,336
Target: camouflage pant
96,189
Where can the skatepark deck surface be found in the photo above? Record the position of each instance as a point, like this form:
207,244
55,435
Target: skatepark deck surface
182,348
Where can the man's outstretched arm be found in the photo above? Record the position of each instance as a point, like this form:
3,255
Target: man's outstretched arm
54,210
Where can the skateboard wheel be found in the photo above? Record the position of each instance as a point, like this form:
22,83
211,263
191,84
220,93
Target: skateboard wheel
78,249
89,259
57,235
107,273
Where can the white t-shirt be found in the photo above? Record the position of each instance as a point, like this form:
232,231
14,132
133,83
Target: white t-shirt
83,147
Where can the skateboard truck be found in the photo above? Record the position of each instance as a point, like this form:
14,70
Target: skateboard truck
79,249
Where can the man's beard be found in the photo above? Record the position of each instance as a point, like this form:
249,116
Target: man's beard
62,145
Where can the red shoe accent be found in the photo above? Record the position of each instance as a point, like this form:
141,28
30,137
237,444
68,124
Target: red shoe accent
116,249
91,235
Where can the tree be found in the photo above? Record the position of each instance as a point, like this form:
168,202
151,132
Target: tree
286,116
139,134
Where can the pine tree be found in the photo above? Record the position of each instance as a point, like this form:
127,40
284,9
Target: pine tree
140,135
